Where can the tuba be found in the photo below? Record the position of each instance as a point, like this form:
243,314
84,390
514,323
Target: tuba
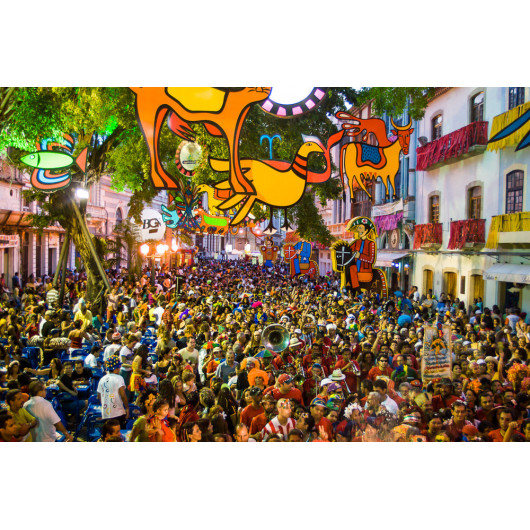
275,338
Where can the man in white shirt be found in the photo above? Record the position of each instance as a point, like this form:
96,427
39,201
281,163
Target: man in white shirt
381,388
189,353
91,360
114,348
48,420
158,312
111,393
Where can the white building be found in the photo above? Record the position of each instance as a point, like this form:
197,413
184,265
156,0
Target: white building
460,186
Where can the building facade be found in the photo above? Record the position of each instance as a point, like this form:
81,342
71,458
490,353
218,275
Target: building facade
462,186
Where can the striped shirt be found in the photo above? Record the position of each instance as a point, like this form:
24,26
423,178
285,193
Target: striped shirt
274,427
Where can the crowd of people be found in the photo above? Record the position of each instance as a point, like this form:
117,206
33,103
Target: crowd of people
197,361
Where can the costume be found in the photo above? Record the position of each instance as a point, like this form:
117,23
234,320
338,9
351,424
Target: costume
269,253
365,261
300,263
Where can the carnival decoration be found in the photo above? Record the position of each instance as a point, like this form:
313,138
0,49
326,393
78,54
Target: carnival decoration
188,158
362,163
436,357
355,260
299,258
52,164
269,252
277,184
271,141
511,128
222,111
184,201
272,104
152,225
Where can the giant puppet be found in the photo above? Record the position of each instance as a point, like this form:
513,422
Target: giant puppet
299,258
355,260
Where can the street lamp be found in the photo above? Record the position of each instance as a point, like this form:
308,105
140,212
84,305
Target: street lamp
159,250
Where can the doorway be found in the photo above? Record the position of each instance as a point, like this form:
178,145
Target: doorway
427,281
450,284
477,287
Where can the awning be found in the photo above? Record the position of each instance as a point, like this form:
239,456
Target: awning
508,272
385,258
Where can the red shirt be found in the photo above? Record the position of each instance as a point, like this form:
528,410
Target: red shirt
439,403
257,423
249,413
375,372
294,393
328,427
351,378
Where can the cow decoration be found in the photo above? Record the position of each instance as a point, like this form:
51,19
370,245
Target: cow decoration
355,260
363,163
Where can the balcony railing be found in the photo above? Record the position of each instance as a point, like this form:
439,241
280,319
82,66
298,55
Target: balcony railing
510,230
338,230
96,212
428,236
467,232
468,141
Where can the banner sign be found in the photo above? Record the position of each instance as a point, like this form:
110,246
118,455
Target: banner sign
152,227
9,241
436,358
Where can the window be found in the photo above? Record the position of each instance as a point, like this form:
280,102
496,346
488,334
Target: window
515,96
361,204
477,107
514,192
436,127
474,202
434,209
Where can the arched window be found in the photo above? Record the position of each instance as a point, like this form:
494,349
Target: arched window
119,216
514,191
436,127
474,196
477,107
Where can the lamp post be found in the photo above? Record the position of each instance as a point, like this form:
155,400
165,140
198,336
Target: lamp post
149,253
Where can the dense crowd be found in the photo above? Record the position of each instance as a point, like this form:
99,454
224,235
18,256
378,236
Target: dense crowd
189,361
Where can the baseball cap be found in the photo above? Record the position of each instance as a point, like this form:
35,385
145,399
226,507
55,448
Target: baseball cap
285,379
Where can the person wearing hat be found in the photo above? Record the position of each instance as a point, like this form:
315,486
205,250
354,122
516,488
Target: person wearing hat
111,393
446,398
258,422
363,248
350,368
282,423
114,347
254,408
318,409
284,389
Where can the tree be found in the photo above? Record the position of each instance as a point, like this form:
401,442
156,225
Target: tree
127,232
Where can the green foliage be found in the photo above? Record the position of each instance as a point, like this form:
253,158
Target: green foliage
394,100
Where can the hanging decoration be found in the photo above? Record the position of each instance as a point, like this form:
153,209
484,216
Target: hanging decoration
355,261
436,356
222,111
511,128
289,110
277,184
299,258
362,163
188,158
466,231
269,251
52,164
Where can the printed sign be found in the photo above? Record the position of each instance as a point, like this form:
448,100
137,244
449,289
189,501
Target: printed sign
437,357
152,226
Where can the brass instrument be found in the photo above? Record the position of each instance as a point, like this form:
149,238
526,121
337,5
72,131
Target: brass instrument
275,338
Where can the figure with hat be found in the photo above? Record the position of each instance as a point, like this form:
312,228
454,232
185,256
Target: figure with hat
285,389
445,399
258,422
269,251
355,260
318,408
111,392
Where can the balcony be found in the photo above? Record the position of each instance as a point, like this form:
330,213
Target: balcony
468,233
96,212
466,142
338,230
509,231
428,236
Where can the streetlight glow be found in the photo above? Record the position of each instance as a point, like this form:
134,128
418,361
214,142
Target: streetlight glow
82,193
144,249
